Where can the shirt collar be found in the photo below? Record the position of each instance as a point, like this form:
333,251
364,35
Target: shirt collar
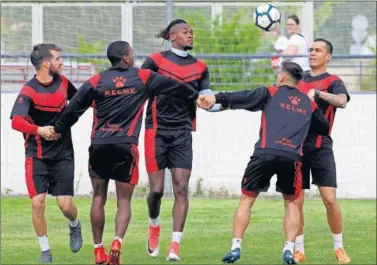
179,52
310,74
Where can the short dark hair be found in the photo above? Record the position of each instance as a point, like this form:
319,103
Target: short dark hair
329,46
295,18
164,33
117,50
293,69
42,52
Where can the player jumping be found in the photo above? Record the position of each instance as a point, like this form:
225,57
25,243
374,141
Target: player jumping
168,140
287,116
329,93
119,94
49,164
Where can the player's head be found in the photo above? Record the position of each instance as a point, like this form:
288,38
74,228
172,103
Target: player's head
120,53
46,57
290,73
179,33
320,53
292,24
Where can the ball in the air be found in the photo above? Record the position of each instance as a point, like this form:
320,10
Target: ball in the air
267,17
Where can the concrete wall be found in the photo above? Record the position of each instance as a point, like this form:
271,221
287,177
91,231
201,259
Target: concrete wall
222,146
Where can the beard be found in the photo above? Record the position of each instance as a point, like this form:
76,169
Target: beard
53,71
188,48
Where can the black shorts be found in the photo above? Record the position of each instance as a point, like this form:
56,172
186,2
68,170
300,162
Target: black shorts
167,149
262,168
49,175
119,162
321,163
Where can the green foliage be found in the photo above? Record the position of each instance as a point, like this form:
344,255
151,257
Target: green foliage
91,48
236,35
323,13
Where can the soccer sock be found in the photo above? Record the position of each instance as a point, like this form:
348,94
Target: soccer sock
154,222
43,243
74,223
299,244
177,237
98,245
236,243
289,246
338,240
119,239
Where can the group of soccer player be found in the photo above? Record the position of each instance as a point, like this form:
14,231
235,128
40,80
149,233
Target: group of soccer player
297,117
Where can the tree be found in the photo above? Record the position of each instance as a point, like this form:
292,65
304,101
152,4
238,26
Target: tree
234,35
85,47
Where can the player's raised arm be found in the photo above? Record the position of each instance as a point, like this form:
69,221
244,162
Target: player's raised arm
337,96
80,102
252,100
319,124
159,84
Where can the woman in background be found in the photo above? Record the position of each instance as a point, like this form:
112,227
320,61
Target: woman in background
297,44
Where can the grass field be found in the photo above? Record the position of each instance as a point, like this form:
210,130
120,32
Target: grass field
207,235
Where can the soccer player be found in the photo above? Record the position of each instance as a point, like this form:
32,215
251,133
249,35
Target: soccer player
119,94
49,164
168,125
287,115
329,93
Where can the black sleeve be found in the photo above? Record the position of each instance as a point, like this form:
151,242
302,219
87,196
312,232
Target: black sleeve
80,102
21,106
337,87
204,81
71,91
158,84
319,123
149,64
252,100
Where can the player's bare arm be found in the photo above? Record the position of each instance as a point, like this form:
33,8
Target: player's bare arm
338,101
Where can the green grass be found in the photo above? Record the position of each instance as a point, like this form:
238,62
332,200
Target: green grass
207,235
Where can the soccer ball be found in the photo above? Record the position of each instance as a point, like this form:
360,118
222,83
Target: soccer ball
267,17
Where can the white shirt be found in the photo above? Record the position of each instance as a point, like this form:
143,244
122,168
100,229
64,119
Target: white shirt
302,49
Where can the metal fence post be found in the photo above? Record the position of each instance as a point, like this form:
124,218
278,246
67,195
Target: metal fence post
168,187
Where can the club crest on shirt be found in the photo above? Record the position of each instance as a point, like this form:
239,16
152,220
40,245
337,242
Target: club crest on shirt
119,81
20,100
